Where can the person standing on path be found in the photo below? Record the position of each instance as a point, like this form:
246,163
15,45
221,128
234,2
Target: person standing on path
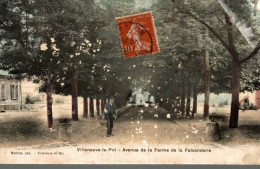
110,114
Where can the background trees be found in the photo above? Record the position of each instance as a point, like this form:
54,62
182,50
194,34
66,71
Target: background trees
74,48
221,22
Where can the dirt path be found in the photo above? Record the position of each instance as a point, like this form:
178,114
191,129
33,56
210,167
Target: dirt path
145,125
140,125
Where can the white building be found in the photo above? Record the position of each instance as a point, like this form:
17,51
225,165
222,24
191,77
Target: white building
139,97
10,92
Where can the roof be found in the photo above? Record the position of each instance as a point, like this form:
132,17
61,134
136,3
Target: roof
4,73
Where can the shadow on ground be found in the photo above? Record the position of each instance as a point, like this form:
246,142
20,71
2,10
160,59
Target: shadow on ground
133,124
23,130
241,135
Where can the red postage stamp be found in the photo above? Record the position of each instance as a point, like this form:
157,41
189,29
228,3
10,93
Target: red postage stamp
137,34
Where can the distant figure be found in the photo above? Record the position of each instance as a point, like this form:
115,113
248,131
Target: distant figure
110,114
246,104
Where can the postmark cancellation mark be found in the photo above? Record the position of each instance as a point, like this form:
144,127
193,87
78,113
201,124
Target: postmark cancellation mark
137,35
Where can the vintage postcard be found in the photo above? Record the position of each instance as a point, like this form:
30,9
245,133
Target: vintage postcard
130,82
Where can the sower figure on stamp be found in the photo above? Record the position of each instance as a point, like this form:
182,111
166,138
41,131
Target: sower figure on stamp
135,34
110,114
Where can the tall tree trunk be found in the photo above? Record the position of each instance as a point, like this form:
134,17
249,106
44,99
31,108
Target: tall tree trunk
188,100
91,106
206,85
85,107
74,94
233,122
49,103
97,106
182,106
195,101
103,102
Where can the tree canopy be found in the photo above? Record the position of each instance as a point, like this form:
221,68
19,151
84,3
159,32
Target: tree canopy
75,45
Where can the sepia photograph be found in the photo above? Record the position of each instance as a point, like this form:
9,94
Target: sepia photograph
130,82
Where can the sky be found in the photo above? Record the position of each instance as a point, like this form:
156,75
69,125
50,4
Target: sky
258,5
245,30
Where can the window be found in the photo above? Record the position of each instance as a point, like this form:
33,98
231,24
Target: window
3,92
14,91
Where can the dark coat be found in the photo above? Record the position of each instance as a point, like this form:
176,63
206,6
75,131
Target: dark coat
111,109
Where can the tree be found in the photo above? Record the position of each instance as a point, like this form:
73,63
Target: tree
55,36
173,47
228,36
75,24
21,51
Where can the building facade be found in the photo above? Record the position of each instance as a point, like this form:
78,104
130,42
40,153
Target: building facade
253,97
10,93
